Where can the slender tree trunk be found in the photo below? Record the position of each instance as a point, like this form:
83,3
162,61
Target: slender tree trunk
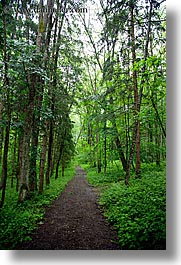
105,149
1,143
5,164
50,143
33,158
1,130
136,131
63,170
157,144
138,152
20,159
98,149
42,163
42,43
54,154
117,140
131,155
135,85
158,116
35,135
7,130
137,96
150,142
56,47
89,133
13,173
58,161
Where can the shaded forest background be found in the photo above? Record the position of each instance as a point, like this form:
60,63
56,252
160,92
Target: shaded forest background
83,81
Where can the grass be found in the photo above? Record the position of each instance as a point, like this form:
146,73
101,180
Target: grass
17,221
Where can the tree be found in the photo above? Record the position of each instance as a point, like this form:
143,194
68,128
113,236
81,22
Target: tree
6,89
126,45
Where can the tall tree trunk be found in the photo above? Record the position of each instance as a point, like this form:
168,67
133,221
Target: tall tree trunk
105,149
42,162
58,161
24,180
42,43
150,141
63,170
55,149
7,130
35,134
136,131
50,145
158,116
20,159
33,158
99,163
137,96
5,164
1,143
1,129
117,140
27,132
13,162
56,47
157,144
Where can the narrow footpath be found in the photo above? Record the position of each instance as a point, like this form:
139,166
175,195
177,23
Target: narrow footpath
74,221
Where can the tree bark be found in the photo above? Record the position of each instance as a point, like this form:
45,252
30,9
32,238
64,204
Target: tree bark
105,149
27,132
158,116
13,172
7,130
24,180
136,131
42,45
58,161
20,159
56,47
42,163
1,130
50,143
117,140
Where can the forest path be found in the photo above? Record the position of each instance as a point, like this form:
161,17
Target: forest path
74,221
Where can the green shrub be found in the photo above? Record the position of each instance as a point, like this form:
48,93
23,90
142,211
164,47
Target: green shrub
138,211
17,221
102,179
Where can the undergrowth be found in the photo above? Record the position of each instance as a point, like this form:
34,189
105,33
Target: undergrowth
17,221
112,175
137,211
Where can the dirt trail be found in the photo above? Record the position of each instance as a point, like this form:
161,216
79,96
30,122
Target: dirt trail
74,221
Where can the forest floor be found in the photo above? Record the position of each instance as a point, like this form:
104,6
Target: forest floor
74,221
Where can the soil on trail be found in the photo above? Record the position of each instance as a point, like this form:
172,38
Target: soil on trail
74,221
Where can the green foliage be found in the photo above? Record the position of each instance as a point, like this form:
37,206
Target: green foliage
138,211
17,221
51,77
112,176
